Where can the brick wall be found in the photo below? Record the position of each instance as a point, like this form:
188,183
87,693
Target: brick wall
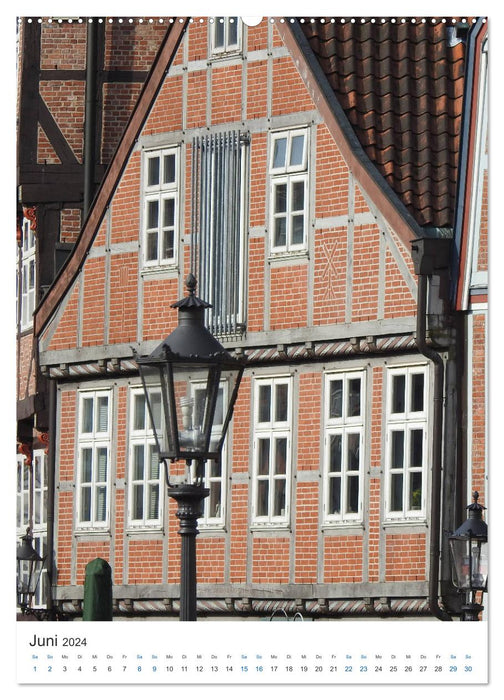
405,557
26,364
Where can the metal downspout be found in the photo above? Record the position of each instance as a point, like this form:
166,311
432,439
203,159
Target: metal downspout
51,485
437,439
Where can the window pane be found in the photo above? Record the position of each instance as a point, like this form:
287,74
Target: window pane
86,464
354,393
281,402
280,237
417,392
219,408
169,168
137,506
396,490
101,474
153,172
353,494
397,457
262,497
139,412
85,513
298,192
198,411
264,403
416,448
215,500
263,457
168,212
167,245
155,401
37,513
232,31
219,33
415,499
101,503
153,502
334,495
279,151
353,444
138,462
152,242
87,415
281,456
31,279
335,398
297,233
279,500
398,389
153,462
297,147
280,199
335,453
152,213
102,414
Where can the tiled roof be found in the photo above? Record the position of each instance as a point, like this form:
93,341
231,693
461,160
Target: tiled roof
401,87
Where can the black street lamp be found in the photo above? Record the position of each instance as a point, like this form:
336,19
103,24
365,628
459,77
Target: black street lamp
469,551
191,383
29,569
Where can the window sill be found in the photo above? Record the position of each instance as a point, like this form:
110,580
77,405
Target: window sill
88,530
421,520
290,256
347,525
144,529
223,55
270,527
211,528
170,269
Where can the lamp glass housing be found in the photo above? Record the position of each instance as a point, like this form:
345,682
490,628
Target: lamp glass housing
190,404
29,569
470,563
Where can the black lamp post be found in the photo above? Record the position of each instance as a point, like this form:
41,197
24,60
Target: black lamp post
191,384
29,569
469,550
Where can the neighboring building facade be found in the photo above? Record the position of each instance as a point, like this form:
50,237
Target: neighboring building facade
77,84
319,222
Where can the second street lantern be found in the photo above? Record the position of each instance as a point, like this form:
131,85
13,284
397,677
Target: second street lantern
190,383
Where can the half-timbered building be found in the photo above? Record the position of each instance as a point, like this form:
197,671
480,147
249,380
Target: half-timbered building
325,180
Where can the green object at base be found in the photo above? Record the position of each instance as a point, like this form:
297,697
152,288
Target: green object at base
98,591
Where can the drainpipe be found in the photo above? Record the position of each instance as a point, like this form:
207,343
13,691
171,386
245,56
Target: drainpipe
51,485
90,117
426,257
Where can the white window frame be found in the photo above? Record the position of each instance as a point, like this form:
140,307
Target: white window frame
28,275
24,506
344,426
272,431
160,193
32,511
94,440
289,176
143,437
406,422
228,46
